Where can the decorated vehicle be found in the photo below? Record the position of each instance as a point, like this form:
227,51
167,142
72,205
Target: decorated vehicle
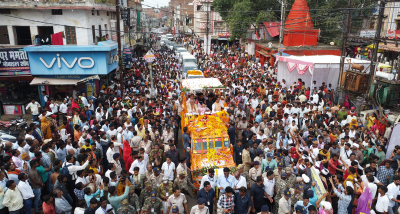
208,130
193,74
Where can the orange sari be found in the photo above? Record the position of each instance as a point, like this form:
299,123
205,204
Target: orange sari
46,128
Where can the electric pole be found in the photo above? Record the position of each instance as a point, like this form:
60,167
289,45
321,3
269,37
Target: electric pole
377,39
121,76
345,34
283,17
207,30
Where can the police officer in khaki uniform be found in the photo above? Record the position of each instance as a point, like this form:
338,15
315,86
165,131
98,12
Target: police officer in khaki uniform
165,190
157,177
241,125
255,172
291,178
278,172
166,136
297,193
281,186
246,159
183,183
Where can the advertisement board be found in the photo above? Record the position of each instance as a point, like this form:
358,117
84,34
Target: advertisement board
14,61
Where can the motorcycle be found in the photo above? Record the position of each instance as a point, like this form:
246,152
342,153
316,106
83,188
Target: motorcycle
14,127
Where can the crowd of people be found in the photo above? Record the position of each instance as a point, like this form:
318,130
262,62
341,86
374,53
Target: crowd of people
296,150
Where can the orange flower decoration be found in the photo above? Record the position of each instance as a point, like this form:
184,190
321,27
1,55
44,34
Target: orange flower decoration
195,72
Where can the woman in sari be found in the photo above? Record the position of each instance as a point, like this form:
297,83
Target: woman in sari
371,120
46,128
126,150
75,104
364,202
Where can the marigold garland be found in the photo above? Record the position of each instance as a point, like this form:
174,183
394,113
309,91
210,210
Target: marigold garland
195,72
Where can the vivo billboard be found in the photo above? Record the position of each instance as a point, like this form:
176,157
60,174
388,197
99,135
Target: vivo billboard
98,59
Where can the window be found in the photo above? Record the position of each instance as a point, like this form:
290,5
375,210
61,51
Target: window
22,35
5,11
92,12
199,7
70,35
56,12
100,31
45,34
212,8
4,38
218,24
108,13
98,12
94,33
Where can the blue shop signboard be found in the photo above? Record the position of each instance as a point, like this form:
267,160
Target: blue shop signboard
87,60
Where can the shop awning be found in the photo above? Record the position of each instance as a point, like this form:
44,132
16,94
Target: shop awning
272,28
56,81
389,47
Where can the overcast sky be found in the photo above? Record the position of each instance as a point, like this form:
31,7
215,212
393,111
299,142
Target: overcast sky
153,3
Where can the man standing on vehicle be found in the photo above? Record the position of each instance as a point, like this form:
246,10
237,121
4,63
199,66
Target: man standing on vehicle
186,145
34,109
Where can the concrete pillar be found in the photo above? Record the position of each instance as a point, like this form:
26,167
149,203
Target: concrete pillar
11,35
34,32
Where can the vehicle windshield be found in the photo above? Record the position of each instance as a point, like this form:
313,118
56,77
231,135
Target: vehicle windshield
195,76
201,144
189,60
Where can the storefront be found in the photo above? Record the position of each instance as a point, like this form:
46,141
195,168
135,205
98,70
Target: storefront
15,76
62,71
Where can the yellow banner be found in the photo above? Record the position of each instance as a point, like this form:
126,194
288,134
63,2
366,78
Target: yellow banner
319,187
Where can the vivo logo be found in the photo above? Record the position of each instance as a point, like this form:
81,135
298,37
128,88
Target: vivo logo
59,59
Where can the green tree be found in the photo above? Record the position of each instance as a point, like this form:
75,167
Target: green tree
328,16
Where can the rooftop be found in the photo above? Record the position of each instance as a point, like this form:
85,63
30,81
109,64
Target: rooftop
275,45
108,5
102,46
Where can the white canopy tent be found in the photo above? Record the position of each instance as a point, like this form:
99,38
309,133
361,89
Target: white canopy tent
325,68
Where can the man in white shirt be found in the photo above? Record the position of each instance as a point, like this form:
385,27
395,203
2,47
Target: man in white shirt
63,110
382,204
54,108
168,169
26,191
138,163
84,100
239,181
315,98
34,109
98,114
392,193
112,131
110,152
104,206
210,177
269,184
73,168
